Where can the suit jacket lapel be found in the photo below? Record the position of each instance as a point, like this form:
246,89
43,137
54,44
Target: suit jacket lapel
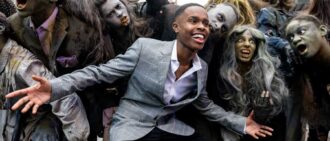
31,41
61,25
164,64
30,37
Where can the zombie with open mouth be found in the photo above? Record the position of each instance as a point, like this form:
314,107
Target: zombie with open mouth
249,81
307,36
17,65
64,42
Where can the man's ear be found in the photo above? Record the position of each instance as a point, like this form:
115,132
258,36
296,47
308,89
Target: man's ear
324,30
175,27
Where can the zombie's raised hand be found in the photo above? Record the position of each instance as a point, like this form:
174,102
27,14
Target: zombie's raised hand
263,107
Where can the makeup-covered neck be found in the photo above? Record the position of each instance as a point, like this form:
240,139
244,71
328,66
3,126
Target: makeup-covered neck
323,56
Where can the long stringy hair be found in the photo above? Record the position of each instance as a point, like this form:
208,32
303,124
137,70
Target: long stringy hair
262,76
86,11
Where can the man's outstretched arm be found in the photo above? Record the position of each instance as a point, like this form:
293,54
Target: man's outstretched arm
45,90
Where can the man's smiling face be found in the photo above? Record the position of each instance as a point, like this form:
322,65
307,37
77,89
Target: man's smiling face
192,28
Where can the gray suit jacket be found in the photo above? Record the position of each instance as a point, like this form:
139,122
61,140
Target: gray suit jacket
143,108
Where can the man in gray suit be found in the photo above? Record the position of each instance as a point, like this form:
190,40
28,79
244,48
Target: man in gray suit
165,77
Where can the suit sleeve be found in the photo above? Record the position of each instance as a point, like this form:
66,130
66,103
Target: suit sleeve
69,110
121,66
216,113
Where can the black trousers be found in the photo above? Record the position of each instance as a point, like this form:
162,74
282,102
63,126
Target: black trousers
160,135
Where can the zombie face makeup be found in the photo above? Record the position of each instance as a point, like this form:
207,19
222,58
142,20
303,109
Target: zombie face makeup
30,7
115,13
245,47
305,37
222,18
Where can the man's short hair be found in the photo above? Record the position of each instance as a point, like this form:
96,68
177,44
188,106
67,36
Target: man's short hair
184,7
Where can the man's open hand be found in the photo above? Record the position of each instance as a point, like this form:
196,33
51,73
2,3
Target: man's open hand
256,130
35,95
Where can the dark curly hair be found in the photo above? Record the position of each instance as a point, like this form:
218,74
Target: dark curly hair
5,24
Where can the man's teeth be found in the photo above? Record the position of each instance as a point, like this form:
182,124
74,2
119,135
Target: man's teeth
198,36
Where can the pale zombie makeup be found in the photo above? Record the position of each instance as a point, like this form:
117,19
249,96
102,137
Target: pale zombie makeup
245,47
304,37
115,13
222,18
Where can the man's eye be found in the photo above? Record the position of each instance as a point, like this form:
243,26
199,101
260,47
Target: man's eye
206,23
193,20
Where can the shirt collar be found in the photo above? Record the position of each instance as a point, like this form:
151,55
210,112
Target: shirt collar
49,23
174,57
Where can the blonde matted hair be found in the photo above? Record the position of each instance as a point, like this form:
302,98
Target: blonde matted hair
246,13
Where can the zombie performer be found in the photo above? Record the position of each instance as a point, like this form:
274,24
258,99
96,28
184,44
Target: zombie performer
307,36
248,81
223,17
123,28
64,43
17,65
157,87
121,24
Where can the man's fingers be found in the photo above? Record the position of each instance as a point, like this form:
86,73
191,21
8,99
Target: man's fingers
266,128
39,79
35,108
255,136
251,114
266,132
16,93
22,91
260,134
27,107
20,102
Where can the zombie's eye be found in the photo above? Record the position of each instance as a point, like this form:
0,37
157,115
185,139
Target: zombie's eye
118,6
220,18
301,31
289,37
224,28
240,40
252,42
2,28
